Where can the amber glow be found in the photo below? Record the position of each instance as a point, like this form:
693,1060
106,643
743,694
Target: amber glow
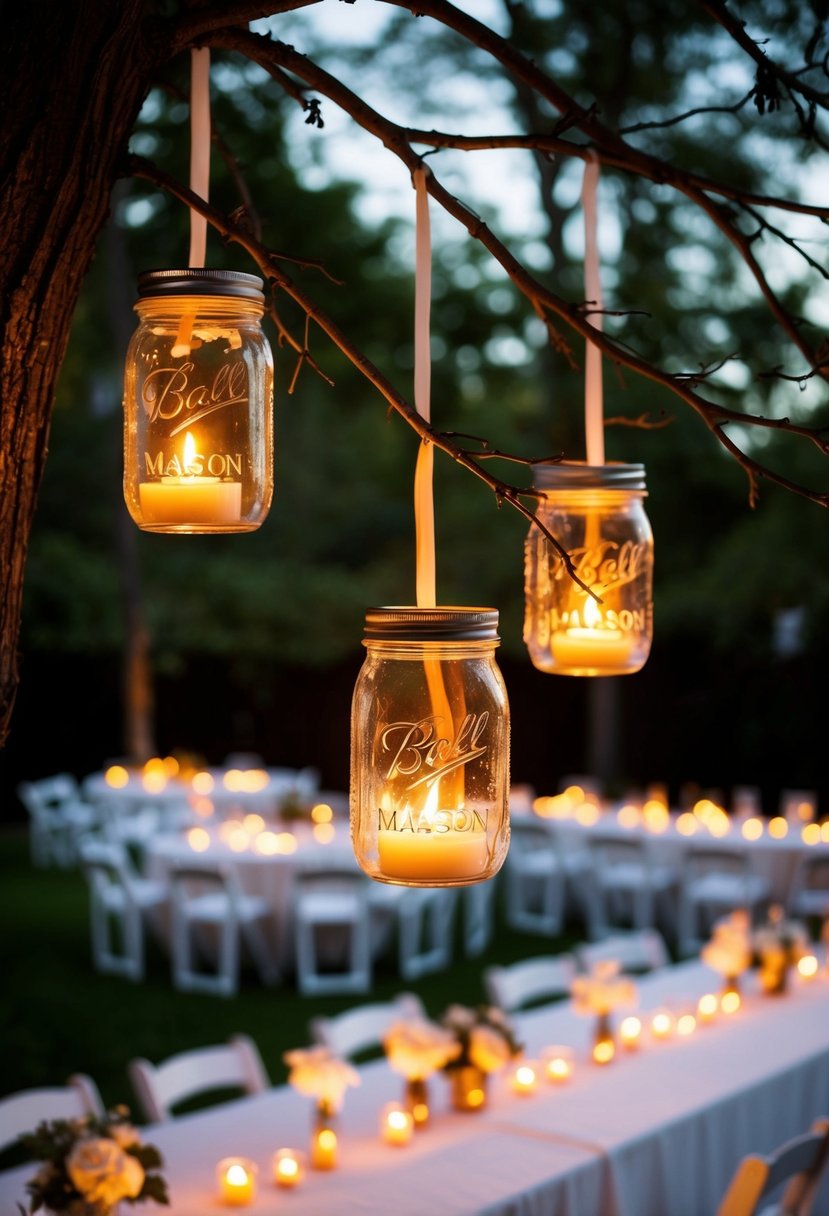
321,813
253,824
116,777
203,783
707,1007
686,824
656,816
811,834
778,828
630,1032
730,1002
524,1078
236,1182
628,816
604,1051
324,833
198,840
686,1024
807,967
287,1170
324,1149
662,1024
397,1125
752,829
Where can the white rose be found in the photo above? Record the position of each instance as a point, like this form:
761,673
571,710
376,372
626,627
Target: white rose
103,1173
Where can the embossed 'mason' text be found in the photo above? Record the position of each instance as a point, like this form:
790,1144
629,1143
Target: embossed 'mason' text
459,820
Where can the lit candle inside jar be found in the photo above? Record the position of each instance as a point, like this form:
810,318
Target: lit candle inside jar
433,843
324,1149
525,1077
730,1001
589,642
630,1032
396,1124
686,1024
189,497
237,1181
287,1168
558,1064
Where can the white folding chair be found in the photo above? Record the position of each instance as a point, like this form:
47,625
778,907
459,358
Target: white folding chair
426,922
534,979
629,882
235,1065
715,881
332,931
21,1112
636,952
799,1163
206,902
357,1030
809,893
57,817
120,902
478,903
535,882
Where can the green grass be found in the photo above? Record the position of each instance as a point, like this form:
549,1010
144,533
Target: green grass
59,1016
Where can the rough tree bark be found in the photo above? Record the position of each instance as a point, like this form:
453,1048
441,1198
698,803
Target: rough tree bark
67,115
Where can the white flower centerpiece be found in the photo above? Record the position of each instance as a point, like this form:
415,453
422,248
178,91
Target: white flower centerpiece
416,1048
91,1164
486,1042
597,995
730,952
323,1076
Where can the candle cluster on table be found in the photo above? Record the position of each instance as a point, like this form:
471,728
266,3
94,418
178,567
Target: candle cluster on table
486,1043
320,1074
416,1048
557,1064
780,945
729,952
236,1177
599,994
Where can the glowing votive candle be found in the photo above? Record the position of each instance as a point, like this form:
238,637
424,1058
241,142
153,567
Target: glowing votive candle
396,1124
630,1032
237,1181
525,1077
438,854
662,1024
807,967
558,1064
730,1001
287,1168
686,1024
707,1007
591,649
324,1149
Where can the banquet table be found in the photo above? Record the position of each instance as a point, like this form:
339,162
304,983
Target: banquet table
658,1132
773,858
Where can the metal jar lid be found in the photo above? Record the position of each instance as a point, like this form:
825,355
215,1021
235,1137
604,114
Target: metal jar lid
193,281
410,624
577,475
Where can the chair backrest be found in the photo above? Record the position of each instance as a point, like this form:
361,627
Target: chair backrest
799,1163
619,851
701,859
21,1112
52,791
106,863
512,987
356,1030
236,1064
526,837
637,951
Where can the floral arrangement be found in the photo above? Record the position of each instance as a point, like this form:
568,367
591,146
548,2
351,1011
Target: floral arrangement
484,1038
602,990
417,1047
730,949
90,1164
779,935
320,1074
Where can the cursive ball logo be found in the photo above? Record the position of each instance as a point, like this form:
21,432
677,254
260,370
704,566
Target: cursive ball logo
171,393
419,752
607,564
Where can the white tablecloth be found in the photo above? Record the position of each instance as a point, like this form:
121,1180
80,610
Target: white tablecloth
656,1133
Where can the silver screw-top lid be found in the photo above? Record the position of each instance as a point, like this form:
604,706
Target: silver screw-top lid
577,475
197,281
411,624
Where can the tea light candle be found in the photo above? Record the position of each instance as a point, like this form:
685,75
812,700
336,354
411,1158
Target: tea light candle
525,1077
630,1032
730,1001
807,967
707,1007
662,1024
324,1149
686,1024
558,1064
396,1124
236,1177
287,1168
604,1050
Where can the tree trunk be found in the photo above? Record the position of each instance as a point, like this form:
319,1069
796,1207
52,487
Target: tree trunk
67,115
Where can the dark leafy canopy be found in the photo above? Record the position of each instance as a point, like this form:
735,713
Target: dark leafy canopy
340,534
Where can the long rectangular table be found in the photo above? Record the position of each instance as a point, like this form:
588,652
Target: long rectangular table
658,1132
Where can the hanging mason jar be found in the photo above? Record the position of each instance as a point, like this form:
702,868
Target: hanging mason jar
430,748
198,404
598,516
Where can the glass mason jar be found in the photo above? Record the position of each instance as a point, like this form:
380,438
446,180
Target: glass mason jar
597,515
430,748
198,404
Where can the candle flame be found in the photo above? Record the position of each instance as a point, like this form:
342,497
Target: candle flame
592,615
189,453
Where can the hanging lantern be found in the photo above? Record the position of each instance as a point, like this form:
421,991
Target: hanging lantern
597,514
198,403
430,748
